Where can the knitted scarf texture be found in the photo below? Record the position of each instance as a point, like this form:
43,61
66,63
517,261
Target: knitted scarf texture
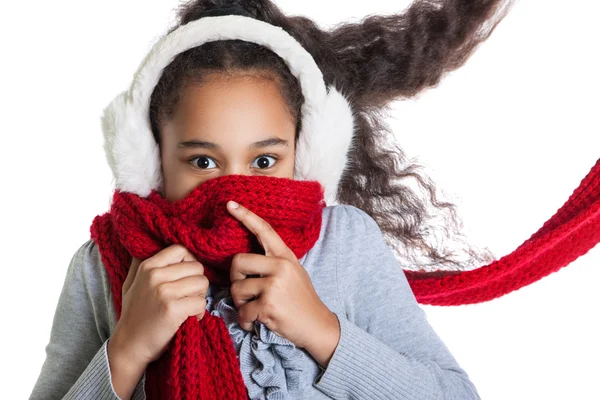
570,233
200,362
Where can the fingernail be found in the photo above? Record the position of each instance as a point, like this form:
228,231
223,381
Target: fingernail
234,205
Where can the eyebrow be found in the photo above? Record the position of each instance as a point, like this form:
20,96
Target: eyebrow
200,144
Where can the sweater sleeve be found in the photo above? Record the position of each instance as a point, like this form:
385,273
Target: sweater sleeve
387,349
76,364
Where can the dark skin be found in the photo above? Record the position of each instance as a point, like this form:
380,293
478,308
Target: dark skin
231,124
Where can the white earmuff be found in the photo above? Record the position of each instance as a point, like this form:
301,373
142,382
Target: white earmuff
327,120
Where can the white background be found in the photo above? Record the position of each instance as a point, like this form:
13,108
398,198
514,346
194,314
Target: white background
508,137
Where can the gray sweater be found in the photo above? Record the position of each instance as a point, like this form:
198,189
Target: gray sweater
387,349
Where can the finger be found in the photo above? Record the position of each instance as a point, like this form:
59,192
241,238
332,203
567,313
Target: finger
192,306
131,273
248,314
247,290
246,265
177,271
196,285
173,254
267,236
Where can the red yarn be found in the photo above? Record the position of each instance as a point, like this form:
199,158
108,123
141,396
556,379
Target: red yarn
200,362
569,234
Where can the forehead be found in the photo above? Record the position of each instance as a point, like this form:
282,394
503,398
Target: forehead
247,108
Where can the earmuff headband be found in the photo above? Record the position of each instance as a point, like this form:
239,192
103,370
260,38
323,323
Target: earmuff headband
327,121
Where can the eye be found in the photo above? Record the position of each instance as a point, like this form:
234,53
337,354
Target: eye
264,162
203,162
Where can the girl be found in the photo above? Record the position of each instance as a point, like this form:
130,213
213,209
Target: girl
230,108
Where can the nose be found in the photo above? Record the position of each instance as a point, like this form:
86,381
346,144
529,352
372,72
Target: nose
236,169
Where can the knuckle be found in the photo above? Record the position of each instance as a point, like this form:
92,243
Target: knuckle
201,284
237,259
269,324
162,292
234,289
154,277
234,262
268,307
188,252
237,302
200,267
264,227
145,266
204,282
177,247
283,264
236,294
273,282
180,251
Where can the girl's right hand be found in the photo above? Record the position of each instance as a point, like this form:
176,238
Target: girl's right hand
159,294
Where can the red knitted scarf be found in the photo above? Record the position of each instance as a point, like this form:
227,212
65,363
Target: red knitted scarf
569,234
200,362
142,227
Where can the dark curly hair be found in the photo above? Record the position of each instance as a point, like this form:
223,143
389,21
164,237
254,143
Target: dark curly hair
373,62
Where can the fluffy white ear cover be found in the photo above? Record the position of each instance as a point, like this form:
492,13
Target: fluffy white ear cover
322,150
327,119
131,151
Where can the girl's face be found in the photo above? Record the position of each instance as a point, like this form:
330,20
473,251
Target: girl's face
228,125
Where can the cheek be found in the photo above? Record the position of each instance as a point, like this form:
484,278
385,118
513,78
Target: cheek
176,183
288,171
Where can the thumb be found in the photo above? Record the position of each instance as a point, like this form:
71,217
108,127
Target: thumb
133,268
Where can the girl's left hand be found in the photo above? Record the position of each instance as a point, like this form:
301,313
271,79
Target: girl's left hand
276,290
